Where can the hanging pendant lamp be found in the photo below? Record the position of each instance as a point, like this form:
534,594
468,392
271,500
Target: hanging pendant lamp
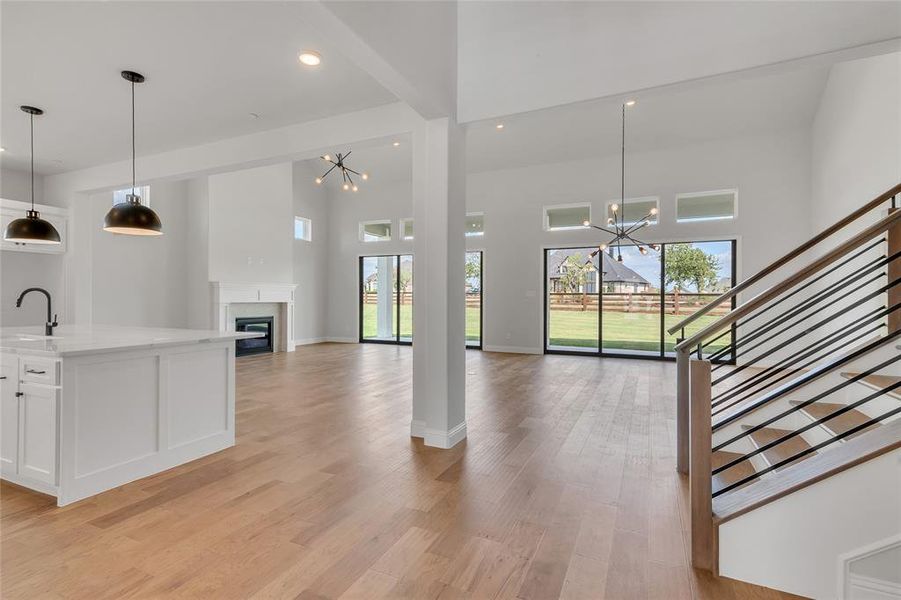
131,217
31,229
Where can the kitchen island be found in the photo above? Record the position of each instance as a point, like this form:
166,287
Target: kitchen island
94,407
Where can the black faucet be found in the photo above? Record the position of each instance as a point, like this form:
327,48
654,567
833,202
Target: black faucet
50,324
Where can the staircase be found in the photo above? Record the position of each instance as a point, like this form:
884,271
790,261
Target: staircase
777,430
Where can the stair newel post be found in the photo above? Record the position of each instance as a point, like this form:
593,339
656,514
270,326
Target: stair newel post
682,400
700,430
893,237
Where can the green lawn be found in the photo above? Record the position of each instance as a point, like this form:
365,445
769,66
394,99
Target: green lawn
622,331
406,322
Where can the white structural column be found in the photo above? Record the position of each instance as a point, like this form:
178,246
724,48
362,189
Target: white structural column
385,297
439,341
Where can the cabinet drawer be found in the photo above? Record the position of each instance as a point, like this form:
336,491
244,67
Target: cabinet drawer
39,370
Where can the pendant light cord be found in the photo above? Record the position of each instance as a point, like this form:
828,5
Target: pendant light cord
132,138
32,162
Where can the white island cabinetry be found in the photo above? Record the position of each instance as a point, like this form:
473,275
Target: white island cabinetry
90,409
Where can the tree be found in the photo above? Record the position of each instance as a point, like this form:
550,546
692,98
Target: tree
473,267
574,276
687,265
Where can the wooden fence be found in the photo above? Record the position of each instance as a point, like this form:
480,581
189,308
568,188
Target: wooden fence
473,299
639,302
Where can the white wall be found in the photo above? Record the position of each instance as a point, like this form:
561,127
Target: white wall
252,225
770,171
793,544
16,185
197,247
376,200
856,137
311,258
138,280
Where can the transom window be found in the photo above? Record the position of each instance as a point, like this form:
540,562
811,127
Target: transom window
706,206
302,229
406,229
475,224
566,216
375,231
633,210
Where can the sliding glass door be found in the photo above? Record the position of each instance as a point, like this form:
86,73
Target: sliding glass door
386,299
597,304
474,299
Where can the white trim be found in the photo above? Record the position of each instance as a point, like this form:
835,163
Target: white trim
224,294
438,438
544,218
512,349
733,191
390,237
342,340
417,428
309,341
847,579
621,203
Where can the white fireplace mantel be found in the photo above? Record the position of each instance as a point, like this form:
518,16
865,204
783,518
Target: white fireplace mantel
224,294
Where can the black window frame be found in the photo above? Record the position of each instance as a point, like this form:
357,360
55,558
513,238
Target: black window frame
397,341
480,345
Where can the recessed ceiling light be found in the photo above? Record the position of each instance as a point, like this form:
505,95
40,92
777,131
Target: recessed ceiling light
630,102
499,126
310,58
396,144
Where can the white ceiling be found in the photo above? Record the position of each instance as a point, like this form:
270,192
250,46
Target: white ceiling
208,65
521,56
717,108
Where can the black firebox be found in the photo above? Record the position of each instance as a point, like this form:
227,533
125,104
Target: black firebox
256,345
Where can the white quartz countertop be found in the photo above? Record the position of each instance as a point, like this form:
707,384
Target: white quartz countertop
69,340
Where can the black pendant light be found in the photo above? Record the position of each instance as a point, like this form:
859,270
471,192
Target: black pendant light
131,217
31,229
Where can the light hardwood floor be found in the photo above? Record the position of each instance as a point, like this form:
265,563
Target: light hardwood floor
565,488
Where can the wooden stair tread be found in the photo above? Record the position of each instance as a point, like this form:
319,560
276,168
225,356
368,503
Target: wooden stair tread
804,473
782,451
732,474
840,424
878,382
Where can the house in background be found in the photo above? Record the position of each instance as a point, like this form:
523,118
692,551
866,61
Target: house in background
617,277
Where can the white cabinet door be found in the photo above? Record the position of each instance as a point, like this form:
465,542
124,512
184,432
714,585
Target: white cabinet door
37,433
9,416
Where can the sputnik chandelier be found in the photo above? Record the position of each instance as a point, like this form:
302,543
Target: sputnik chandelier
622,232
338,163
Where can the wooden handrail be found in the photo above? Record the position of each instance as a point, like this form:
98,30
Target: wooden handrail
870,232
841,224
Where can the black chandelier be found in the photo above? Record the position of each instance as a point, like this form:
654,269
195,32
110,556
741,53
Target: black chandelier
346,172
622,231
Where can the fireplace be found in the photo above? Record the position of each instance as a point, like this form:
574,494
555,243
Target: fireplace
254,345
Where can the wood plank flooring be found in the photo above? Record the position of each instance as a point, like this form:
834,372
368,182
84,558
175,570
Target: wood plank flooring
565,488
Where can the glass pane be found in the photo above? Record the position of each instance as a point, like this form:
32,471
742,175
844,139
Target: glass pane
696,273
474,298
405,293
375,232
630,297
705,207
568,217
379,298
632,211
572,302
475,225
407,229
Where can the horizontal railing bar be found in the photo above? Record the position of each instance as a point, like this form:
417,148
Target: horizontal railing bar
811,268
802,308
767,328
791,255
809,450
808,352
807,378
800,406
796,291
776,321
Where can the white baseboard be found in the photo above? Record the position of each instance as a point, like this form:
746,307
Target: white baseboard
438,438
342,340
512,349
308,341
417,428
